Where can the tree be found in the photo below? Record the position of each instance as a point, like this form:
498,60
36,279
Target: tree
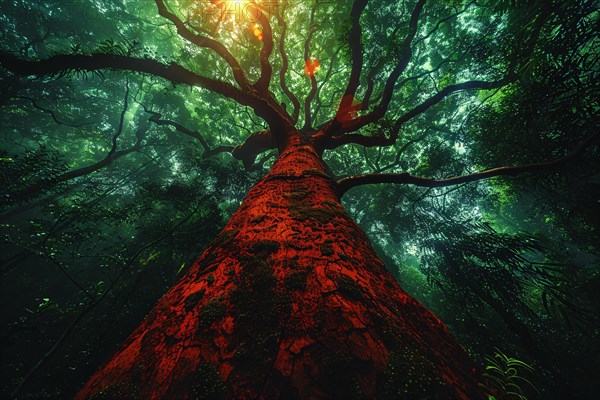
291,300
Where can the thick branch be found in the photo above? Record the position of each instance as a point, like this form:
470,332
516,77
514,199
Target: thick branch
112,155
46,200
328,75
348,183
263,103
99,165
266,70
371,83
255,144
62,64
355,43
333,134
406,54
346,108
121,122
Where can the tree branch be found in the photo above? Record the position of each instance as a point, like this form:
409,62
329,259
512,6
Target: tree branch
334,134
348,183
447,91
328,75
406,54
203,41
52,113
370,141
356,47
311,74
157,119
343,117
34,190
62,64
285,63
266,70
255,144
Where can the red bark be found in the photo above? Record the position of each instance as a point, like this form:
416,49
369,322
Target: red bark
289,302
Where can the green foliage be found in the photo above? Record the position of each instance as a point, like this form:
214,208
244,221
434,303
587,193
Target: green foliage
109,46
491,259
506,376
501,266
33,168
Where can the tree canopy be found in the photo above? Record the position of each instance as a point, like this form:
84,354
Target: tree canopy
463,136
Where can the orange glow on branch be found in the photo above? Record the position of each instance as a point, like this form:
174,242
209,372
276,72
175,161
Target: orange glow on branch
256,30
312,66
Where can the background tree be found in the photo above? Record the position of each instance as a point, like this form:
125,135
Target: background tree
115,181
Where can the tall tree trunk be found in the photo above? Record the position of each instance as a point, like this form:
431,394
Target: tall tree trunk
289,302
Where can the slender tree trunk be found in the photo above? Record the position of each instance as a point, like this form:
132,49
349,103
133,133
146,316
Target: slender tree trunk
289,302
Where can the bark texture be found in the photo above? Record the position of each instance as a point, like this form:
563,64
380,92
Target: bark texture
289,302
